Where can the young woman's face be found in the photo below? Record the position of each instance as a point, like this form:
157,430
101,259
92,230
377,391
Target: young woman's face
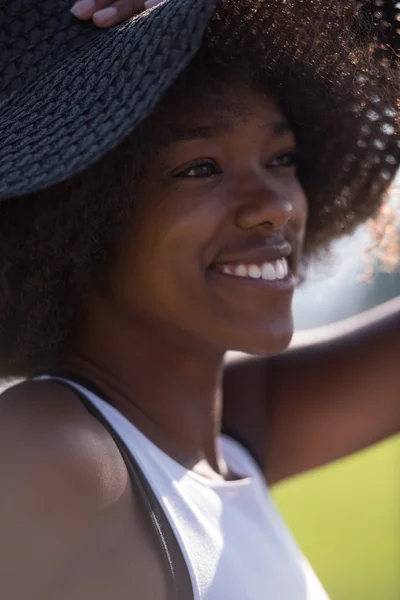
217,234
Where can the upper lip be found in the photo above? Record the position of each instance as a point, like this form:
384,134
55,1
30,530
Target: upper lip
256,254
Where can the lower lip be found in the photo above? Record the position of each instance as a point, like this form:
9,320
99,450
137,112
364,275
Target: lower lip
277,286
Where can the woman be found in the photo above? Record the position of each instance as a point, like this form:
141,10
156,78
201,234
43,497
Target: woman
159,186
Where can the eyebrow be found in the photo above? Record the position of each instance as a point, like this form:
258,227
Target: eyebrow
183,133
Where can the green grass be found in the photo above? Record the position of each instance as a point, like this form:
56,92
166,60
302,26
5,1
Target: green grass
346,518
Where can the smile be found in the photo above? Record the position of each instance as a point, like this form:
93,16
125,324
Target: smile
268,271
272,277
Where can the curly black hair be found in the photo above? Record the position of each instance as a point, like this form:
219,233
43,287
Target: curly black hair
55,244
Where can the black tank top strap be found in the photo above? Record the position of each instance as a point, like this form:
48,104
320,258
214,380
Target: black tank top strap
179,585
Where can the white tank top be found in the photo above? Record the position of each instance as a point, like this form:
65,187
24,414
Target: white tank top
233,539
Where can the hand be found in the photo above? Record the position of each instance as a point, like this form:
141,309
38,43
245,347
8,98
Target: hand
106,13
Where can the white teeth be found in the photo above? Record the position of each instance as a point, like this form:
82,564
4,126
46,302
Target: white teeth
280,269
241,271
254,272
268,272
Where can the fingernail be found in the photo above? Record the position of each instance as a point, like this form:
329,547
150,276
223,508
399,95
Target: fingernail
83,8
152,3
105,16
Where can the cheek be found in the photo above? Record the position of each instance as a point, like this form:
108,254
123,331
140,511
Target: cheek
160,265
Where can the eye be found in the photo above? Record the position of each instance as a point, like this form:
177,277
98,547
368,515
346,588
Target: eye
199,170
288,160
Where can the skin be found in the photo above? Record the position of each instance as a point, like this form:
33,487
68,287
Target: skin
337,391
71,526
106,13
331,396
218,197
70,523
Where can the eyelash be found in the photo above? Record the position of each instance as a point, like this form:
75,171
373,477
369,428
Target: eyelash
216,170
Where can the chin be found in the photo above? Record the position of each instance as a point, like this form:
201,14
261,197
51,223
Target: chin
266,341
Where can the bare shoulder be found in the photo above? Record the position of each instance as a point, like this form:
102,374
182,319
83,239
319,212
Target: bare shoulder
66,505
45,430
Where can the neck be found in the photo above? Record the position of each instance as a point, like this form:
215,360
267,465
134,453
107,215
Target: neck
171,393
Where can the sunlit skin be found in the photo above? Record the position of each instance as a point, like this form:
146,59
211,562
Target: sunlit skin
153,337
327,399
222,197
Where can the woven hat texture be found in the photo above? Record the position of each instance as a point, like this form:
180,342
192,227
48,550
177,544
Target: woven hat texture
69,92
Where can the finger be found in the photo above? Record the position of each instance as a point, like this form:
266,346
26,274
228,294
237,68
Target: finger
152,3
119,11
85,9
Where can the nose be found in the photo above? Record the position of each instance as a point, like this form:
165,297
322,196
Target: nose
262,207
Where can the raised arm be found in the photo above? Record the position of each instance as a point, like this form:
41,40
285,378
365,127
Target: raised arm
335,392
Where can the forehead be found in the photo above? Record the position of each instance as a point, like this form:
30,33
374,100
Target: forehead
204,109
219,111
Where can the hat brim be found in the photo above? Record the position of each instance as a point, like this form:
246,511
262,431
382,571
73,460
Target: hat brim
95,95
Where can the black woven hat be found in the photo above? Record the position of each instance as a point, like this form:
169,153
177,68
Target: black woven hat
70,92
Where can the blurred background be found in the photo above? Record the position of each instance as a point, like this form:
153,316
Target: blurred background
346,517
